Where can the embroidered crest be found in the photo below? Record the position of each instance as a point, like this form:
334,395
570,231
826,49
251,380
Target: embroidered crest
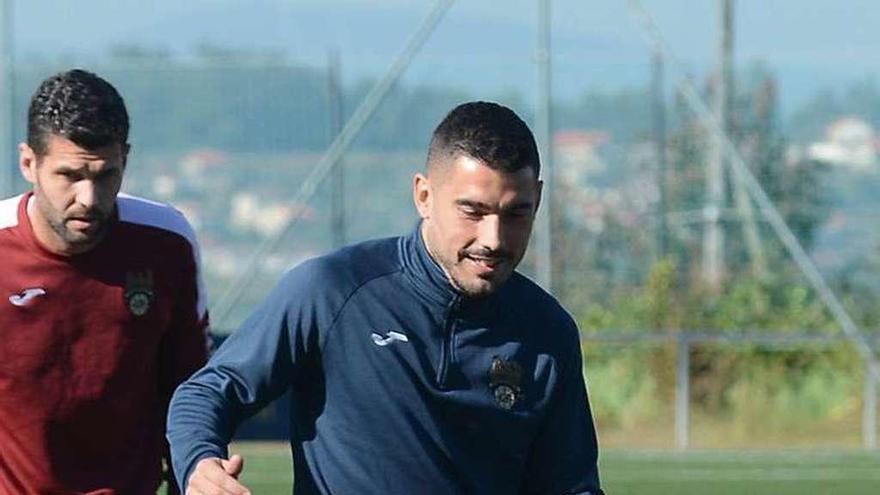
504,381
139,291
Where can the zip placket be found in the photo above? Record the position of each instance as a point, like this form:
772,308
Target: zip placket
447,355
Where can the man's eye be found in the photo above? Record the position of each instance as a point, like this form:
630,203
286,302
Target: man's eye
471,213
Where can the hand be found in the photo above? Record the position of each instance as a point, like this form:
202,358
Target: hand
215,476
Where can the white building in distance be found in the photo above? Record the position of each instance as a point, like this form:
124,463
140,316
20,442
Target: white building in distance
849,142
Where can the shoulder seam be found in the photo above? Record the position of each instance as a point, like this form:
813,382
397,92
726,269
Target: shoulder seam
167,219
167,210
349,298
9,218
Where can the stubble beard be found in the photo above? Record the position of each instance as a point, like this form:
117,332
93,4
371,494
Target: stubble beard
470,285
476,288
78,240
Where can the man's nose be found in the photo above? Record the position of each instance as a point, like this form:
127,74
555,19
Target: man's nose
87,194
491,232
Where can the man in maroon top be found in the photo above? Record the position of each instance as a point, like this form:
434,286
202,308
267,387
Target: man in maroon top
102,312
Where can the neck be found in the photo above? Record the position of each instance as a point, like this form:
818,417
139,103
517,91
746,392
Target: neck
436,259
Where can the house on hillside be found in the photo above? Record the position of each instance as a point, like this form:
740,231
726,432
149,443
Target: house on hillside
849,142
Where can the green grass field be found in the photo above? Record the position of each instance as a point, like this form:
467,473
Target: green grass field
267,471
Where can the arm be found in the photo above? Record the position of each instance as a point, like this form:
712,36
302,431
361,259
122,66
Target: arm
253,367
563,459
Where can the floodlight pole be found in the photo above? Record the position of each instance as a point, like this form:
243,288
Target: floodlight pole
335,111
544,222
713,233
7,160
658,94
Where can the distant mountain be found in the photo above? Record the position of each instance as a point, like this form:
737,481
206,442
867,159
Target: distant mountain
484,47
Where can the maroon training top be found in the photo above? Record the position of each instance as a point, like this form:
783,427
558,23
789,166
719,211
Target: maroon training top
91,348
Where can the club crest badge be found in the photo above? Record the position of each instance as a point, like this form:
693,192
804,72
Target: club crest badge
504,381
139,291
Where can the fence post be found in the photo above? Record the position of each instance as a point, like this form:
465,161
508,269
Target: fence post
682,392
869,407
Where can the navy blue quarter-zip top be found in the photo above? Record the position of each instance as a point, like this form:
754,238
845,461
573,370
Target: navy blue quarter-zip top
447,351
399,384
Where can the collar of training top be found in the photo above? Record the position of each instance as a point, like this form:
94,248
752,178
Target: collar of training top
429,280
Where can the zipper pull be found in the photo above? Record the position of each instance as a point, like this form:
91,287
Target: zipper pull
455,306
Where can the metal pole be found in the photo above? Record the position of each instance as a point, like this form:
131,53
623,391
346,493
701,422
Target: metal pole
869,407
713,235
682,393
334,103
8,166
544,221
659,97
741,196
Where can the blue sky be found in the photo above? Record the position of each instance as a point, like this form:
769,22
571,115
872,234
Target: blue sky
810,44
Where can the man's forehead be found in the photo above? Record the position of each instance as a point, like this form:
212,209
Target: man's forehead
62,148
461,164
472,181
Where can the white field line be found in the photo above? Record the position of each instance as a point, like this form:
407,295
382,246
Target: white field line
743,456
744,475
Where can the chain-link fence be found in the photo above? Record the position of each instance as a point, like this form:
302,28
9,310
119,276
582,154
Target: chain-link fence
285,129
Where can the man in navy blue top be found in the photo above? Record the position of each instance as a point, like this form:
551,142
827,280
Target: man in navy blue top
422,364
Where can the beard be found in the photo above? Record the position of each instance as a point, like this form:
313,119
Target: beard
78,239
479,272
474,272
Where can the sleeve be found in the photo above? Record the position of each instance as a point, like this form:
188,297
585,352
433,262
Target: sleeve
184,345
254,366
564,456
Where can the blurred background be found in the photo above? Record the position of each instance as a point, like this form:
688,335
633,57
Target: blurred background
713,172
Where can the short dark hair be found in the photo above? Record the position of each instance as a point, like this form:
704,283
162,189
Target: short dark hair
77,105
488,132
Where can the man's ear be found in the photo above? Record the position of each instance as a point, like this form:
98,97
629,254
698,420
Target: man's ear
125,149
422,196
540,189
27,162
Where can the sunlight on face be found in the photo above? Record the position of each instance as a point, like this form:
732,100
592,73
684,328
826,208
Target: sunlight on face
477,221
74,192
